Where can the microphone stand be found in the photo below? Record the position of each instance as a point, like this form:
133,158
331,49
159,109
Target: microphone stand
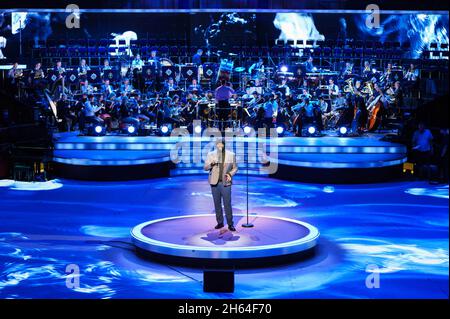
247,224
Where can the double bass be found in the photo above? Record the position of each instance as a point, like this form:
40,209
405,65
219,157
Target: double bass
374,109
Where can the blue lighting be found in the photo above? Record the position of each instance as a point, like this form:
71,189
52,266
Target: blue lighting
284,69
197,129
343,130
131,129
164,129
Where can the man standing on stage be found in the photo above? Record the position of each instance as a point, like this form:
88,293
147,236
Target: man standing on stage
223,94
222,166
197,58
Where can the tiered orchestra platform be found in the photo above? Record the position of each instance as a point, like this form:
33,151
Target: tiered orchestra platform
327,159
271,240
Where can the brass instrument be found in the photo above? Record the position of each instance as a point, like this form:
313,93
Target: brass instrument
368,88
349,87
390,96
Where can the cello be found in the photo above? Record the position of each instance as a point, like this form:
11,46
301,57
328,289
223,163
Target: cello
374,114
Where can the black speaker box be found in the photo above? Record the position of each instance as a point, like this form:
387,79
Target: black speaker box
218,280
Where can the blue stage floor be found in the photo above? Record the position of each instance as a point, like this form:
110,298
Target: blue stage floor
401,228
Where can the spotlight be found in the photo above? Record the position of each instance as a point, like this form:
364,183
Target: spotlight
164,129
131,129
198,129
343,130
311,130
280,130
247,129
284,68
96,130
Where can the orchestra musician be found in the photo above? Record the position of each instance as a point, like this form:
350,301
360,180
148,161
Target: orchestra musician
197,57
256,67
366,71
107,90
82,69
89,111
333,89
106,66
309,66
412,74
195,87
59,82
222,95
36,78
284,88
170,86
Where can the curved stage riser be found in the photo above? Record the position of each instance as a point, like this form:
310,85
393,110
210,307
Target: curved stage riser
271,239
325,159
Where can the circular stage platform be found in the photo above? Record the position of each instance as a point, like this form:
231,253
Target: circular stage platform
192,240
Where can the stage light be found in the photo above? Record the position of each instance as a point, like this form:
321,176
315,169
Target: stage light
311,130
280,130
198,129
164,129
98,129
247,129
131,129
343,130
284,68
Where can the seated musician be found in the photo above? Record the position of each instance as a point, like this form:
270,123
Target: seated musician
137,63
271,111
126,87
90,110
256,67
82,70
107,90
412,75
86,88
170,85
153,59
197,58
106,66
137,108
339,103
284,88
37,76
83,67
195,87
322,104
366,71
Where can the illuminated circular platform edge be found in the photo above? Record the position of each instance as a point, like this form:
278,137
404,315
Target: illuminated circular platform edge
223,253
